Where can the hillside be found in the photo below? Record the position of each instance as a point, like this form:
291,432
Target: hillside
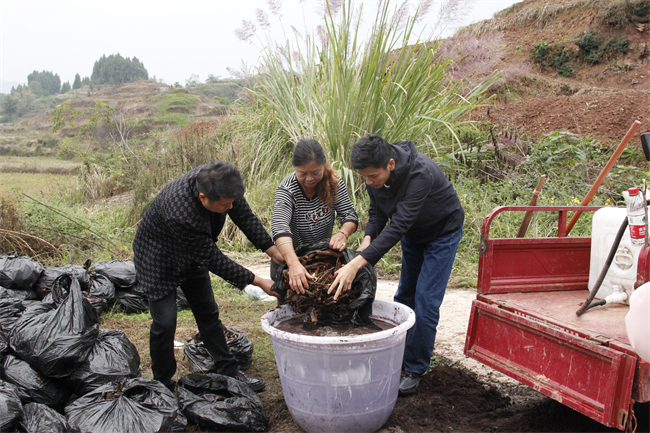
600,96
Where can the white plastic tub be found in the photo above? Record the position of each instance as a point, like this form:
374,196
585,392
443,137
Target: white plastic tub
341,384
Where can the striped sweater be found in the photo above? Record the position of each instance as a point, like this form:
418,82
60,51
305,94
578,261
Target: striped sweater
308,220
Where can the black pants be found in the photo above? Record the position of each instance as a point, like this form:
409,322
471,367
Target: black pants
200,297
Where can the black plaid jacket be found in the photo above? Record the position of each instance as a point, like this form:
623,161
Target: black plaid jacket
177,235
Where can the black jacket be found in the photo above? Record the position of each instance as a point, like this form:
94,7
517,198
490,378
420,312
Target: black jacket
177,235
421,204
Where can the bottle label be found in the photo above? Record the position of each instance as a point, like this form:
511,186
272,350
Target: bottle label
637,231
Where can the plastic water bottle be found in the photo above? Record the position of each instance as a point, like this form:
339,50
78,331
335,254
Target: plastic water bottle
636,216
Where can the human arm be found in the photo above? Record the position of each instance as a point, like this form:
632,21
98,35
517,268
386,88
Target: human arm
244,218
408,206
346,216
298,275
345,276
284,208
274,253
195,240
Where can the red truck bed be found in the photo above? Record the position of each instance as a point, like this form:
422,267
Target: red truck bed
523,323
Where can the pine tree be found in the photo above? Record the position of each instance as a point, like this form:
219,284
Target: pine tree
77,82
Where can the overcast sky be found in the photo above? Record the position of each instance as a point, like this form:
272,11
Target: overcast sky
174,39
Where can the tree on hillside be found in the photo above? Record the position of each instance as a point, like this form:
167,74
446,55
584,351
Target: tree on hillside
48,83
85,81
65,87
10,105
116,69
76,84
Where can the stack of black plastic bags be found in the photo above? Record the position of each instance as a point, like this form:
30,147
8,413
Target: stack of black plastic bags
61,373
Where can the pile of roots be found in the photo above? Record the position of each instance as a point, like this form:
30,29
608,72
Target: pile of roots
315,303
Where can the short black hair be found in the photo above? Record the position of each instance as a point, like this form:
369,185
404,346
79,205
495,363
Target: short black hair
220,179
370,151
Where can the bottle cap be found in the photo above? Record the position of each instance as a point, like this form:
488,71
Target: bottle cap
633,190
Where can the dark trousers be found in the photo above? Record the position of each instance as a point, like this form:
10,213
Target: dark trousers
200,297
422,284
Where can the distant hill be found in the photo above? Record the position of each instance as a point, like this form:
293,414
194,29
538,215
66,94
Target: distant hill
5,86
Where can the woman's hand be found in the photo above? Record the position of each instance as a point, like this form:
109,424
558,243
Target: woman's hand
298,277
339,241
345,276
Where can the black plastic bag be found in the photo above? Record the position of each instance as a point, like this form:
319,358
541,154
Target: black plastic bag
18,272
4,346
120,272
57,337
38,418
113,358
32,385
11,409
221,403
44,284
102,287
128,405
11,309
100,294
131,301
360,309
21,295
201,361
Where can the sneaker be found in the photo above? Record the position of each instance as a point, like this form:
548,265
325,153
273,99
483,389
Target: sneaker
256,385
409,383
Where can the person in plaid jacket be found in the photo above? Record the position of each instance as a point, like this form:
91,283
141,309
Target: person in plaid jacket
175,247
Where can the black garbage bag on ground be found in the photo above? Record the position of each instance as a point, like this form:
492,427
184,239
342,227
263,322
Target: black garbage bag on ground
128,405
11,309
353,307
201,361
100,294
99,304
5,349
221,403
44,284
21,295
57,337
102,287
113,358
120,272
131,301
38,418
32,385
18,272
11,409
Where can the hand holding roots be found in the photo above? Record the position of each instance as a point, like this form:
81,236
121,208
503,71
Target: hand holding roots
315,302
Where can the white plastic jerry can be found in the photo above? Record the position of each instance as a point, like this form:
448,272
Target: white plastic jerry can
622,271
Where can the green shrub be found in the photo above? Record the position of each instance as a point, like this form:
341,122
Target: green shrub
554,56
596,50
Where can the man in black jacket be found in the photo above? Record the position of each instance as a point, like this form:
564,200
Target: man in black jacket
175,246
411,191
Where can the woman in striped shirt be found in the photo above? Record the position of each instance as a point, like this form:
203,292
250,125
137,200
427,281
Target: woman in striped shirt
304,208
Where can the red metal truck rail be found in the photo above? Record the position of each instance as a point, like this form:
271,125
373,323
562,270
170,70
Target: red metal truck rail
523,323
